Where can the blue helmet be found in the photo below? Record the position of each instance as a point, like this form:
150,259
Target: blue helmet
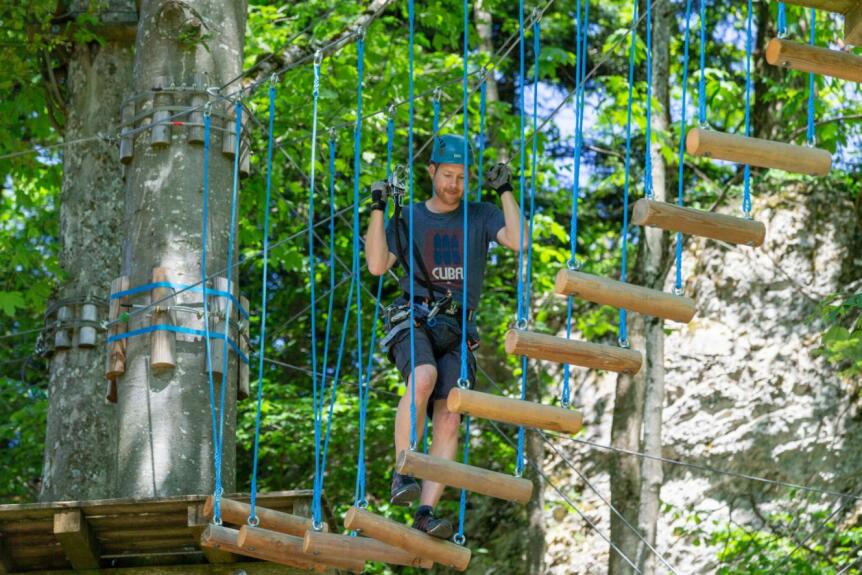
449,149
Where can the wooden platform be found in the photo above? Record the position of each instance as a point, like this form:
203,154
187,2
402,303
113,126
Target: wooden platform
127,536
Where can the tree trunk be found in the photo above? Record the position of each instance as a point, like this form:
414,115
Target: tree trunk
651,264
624,469
485,29
80,440
165,426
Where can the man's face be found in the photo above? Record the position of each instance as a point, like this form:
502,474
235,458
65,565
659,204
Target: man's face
448,182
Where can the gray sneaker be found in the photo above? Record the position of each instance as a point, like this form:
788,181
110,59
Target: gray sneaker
405,490
425,521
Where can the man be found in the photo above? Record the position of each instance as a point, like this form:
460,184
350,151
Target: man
438,233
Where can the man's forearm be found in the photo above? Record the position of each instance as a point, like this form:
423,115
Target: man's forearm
512,215
376,246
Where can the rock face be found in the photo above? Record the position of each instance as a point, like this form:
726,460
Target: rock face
746,392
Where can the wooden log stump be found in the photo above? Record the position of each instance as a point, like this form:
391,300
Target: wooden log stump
694,222
162,342
758,152
623,295
461,476
323,545
514,411
289,547
573,352
806,58
411,540
225,540
237,513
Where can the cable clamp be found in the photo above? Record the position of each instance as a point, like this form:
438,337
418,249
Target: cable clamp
704,125
566,403
519,472
253,521
362,504
219,491
536,15
437,95
360,32
213,91
521,323
208,109
217,520
459,539
332,133
678,291
318,57
273,80
573,264
624,342
812,143
317,525
747,215
463,383
390,111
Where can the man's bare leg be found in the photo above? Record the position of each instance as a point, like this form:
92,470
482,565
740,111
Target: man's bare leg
445,444
426,377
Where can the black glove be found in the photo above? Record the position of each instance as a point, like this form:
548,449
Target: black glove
499,179
379,194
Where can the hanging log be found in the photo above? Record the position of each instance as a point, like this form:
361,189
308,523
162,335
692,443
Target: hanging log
115,364
289,547
624,295
459,475
161,342
573,352
806,58
411,540
225,539
243,389
237,513
758,152
514,411
694,222
322,545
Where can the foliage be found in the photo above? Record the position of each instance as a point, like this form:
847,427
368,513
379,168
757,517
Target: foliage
841,343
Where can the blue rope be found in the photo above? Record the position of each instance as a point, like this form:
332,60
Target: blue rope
522,322
813,40
207,337
623,330
682,126
316,512
483,105
782,20
463,379
702,86
582,24
177,329
252,518
225,378
411,17
648,187
746,197
357,167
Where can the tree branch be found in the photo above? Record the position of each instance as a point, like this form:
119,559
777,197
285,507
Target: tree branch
801,131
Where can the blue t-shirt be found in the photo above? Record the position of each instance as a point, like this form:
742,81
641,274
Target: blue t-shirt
439,238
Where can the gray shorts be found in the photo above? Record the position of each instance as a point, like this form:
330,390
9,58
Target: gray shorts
440,348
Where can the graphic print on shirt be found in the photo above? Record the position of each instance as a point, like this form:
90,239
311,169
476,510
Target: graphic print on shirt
443,253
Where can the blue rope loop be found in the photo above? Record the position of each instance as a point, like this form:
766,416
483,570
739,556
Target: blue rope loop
582,19
746,197
681,162
317,394
357,168
622,338
207,337
702,121
811,138
411,18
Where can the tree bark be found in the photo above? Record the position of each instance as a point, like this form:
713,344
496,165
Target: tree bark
165,443
80,441
485,30
651,264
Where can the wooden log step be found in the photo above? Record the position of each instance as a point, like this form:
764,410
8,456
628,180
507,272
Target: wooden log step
225,539
573,352
411,540
281,545
514,411
852,10
758,152
323,545
730,229
806,58
461,476
237,512
624,295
